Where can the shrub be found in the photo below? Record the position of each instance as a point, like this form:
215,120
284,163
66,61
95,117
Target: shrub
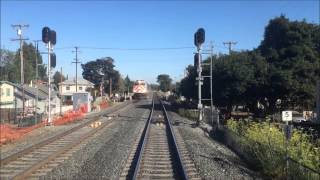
265,142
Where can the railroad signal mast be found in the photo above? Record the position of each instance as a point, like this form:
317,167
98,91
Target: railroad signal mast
49,37
199,38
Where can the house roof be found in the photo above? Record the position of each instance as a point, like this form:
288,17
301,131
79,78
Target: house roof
80,82
8,82
44,88
28,95
31,92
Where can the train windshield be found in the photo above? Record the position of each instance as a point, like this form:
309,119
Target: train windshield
139,83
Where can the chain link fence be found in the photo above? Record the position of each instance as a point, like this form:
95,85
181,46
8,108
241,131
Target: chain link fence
210,117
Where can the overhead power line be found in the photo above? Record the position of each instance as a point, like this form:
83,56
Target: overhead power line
129,49
140,49
61,48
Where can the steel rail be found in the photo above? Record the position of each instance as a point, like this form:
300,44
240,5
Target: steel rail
31,169
143,141
16,155
176,148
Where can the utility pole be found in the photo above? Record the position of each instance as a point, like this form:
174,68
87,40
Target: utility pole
110,87
76,62
230,43
60,91
101,86
37,96
318,102
19,27
128,88
211,86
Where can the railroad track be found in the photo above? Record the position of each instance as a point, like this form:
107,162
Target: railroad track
39,159
159,153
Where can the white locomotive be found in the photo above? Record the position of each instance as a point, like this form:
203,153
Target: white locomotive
140,89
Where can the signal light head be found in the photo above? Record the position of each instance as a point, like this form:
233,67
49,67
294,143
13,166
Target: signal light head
45,35
53,60
52,37
199,37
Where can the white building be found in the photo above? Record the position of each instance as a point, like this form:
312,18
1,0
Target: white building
6,94
68,87
35,97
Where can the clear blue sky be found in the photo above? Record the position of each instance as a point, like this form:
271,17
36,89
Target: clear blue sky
146,24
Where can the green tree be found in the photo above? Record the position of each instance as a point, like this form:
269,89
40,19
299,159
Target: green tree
7,59
154,87
238,79
284,67
102,70
164,81
57,77
119,84
128,84
291,49
29,57
11,69
233,76
188,86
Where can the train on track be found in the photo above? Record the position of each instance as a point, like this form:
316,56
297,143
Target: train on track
140,89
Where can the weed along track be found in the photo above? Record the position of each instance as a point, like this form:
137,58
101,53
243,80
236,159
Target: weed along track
39,159
158,154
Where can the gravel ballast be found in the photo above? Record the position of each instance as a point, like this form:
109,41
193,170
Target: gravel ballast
43,133
105,155
212,159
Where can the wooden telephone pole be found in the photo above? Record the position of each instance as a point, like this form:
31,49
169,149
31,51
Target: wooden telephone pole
76,62
230,43
19,27
61,79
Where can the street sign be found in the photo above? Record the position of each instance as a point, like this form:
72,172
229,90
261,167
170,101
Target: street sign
286,115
